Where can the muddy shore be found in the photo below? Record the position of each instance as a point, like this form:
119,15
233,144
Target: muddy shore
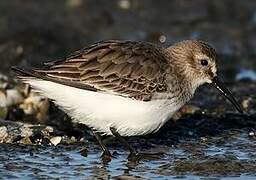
206,139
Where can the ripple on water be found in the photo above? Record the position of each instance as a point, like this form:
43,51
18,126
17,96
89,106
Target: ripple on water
189,158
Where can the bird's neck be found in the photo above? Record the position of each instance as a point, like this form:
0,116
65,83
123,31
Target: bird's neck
181,85
183,71
180,90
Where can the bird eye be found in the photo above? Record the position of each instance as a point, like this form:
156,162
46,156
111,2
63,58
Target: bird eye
204,62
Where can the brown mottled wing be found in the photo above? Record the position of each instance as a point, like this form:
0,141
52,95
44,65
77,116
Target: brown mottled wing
132,69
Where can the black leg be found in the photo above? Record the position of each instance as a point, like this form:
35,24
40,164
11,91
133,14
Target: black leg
134,154
106,155
122,140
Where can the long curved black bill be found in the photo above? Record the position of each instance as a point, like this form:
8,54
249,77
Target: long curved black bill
221,87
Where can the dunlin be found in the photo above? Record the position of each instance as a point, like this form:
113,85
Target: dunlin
126,88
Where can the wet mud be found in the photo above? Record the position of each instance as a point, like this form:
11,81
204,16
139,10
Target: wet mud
207,139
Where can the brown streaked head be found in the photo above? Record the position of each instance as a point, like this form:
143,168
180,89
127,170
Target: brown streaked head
197,62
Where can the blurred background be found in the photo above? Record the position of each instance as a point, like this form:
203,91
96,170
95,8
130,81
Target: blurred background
35,31
209,139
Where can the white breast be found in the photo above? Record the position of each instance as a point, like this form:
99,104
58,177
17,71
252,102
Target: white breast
101,111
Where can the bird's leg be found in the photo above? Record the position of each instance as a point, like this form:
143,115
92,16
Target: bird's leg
134,154
122,140
106,155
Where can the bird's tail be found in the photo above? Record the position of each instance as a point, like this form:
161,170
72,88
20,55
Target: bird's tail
20,72
23,74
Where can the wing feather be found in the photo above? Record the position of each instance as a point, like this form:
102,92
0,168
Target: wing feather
133,69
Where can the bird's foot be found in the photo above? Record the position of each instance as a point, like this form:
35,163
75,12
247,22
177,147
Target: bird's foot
106,156
84,152
137,156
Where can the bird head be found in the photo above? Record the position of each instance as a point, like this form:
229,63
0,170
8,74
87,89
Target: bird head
197,62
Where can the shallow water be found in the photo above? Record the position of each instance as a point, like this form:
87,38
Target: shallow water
230,155
198,147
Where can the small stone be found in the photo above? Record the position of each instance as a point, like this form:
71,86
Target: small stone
68,140
3,134
48,129
83,140
55,140
162,38
73,139
25,140
246,103
251,133
28,108
26,130
124,4
36,105
13,97
204,139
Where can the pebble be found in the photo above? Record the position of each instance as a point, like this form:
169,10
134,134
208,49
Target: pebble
47,129
28,102
55,140
246,103
204,139
251,133
162,38
3,134
124,4
26,130
25,140
13,97
67,140
36,105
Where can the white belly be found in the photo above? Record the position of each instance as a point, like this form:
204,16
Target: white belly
101,111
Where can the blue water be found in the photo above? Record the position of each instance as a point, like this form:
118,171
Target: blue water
65,161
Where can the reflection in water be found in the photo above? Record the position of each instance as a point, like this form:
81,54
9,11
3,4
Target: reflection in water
246,74
189,158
